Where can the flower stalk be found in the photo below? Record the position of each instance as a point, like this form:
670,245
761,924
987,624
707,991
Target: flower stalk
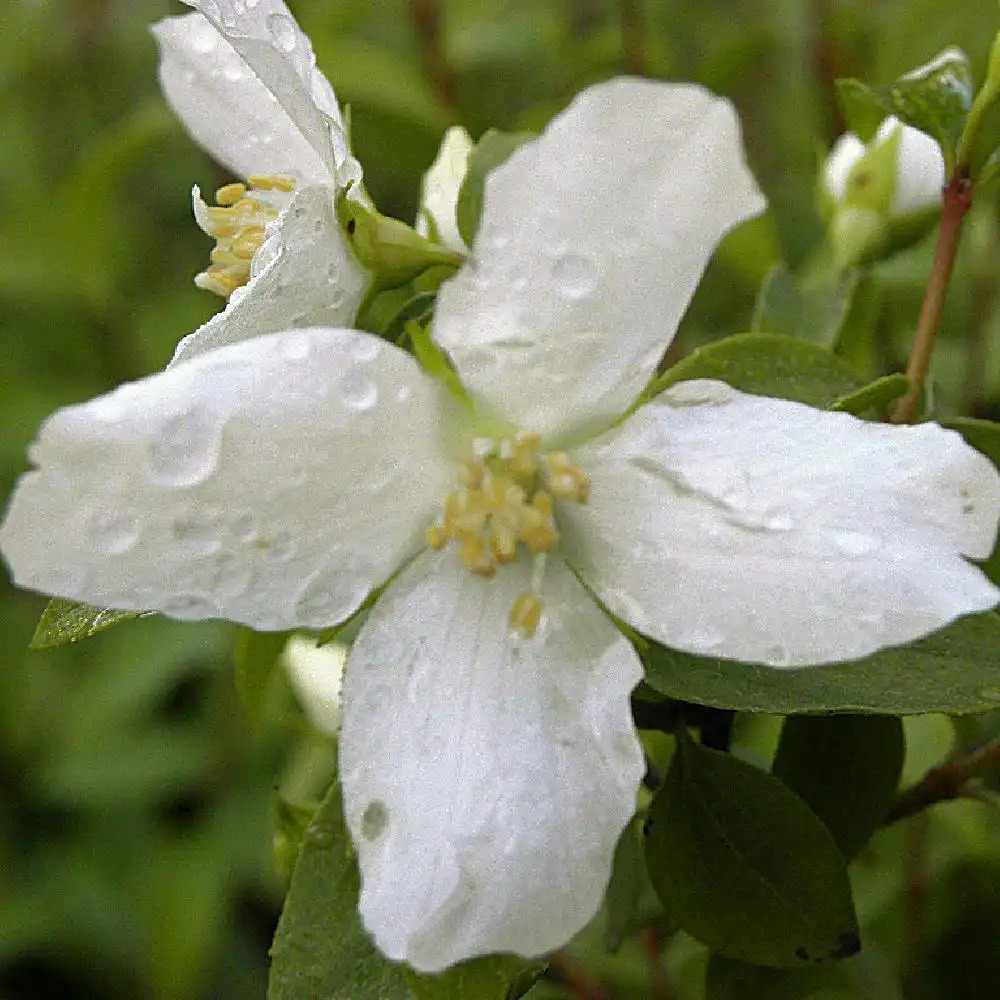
956,202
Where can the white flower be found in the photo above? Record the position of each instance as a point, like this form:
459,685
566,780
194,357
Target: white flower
316,674
488,758
916,164
439,191
242,78
881,197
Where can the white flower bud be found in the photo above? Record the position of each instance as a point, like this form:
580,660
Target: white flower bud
881,197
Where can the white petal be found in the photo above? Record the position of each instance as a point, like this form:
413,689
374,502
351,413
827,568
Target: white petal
274,482
486,778
766,531
440,187
255,107
591,243
304,275
846,152
316,673
920,172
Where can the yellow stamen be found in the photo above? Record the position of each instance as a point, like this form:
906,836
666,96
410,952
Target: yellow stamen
525,615
229,194
272,182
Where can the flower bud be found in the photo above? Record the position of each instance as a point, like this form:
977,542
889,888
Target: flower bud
881,197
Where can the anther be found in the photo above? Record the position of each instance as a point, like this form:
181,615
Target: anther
525,615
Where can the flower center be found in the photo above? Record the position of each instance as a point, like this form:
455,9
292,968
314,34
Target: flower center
506,498
238,223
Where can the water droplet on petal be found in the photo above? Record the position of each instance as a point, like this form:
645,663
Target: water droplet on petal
777,520
365,349
230,575
575,276
701,639
197,532
111,532
204,38
777,656
282,30
186,452
854,543
358,392
698,392
403,393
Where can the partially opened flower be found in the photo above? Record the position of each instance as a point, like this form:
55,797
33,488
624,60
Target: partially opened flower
243,79
488,757
882,196
437,217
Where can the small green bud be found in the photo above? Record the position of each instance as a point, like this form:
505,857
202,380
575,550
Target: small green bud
881,197
393,251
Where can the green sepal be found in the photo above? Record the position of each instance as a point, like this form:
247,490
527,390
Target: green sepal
392,251
846,768
766,364
494,147
935,98
874,396
64,622
320,948
743,865
955,670
435,362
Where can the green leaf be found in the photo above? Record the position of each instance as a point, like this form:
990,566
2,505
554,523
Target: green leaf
744,866
846,768
63,622
935,98
492,978
981,139
874,396
863,109
955,670
984,436
731,980
766,364
495,147
320,948
291,824
813,311
630,902
254,659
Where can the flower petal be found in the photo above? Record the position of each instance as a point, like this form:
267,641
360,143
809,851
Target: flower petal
247,89
274,482
763,530
590,245
304,275
486,778
439,190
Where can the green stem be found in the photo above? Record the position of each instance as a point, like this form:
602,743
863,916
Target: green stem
956,201
945,782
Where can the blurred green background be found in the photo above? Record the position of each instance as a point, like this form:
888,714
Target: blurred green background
135,802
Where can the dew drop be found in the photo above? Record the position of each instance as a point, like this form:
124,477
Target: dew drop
358,392
574,275
197,533
230,576
364,349
777,521
853,543
702,639
282,30
698,392
111,532
235,70
403,393
777,656
186,452
204,38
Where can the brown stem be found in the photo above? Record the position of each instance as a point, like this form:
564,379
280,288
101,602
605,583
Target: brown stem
427,20
572,979
660,988
633,42
956,201
945,782
914,904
